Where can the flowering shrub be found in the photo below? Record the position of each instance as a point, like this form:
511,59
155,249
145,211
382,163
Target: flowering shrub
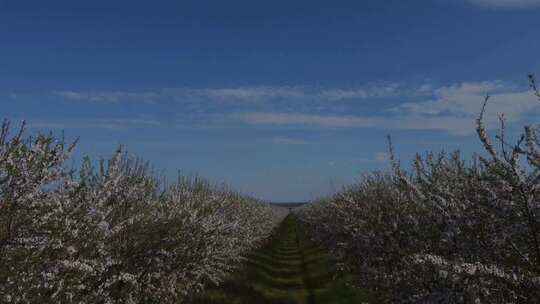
448,231
115,234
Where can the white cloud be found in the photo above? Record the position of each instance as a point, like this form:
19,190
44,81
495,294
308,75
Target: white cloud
424,88
72,95
250,93
243,94
360,93
253,94
455,107
506,4
452,108
464,98
289,141
108,97
306,119
454,125
108,124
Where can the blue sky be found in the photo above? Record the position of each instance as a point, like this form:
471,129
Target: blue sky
284,100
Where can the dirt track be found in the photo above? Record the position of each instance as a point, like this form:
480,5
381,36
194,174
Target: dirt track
290,269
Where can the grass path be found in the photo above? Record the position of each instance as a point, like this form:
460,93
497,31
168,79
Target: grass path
289,269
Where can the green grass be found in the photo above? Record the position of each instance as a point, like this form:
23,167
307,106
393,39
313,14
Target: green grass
289,269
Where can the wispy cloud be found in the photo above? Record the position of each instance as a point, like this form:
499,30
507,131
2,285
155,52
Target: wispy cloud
451,104
453,125
289,141
506,4
250,93
238,94
247,94
372,91
305,119
108,97
108,124
262,93
451,108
